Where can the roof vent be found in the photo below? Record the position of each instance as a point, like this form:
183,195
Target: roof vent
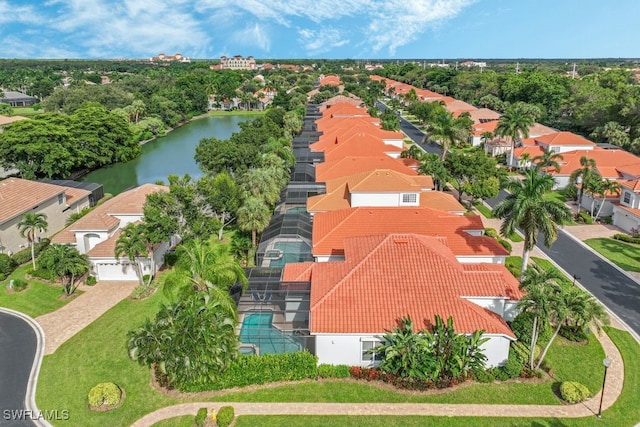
401,240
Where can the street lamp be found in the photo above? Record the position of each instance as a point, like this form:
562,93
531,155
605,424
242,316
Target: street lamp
576,277
606,362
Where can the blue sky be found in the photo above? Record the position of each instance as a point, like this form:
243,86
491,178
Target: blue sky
359,29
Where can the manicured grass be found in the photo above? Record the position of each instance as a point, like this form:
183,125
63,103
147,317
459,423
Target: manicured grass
624,255
40,298
546,265
184,421
237,113
483,209
26,111
515,237
98,354
576,362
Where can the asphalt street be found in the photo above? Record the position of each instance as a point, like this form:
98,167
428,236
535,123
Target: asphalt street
17,351
617,291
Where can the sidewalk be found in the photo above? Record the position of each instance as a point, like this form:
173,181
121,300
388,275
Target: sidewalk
613,388
64,323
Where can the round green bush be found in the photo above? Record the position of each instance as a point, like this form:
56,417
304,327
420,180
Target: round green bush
104,394
225,417
18,285
7,264
91,280
574,392
522,324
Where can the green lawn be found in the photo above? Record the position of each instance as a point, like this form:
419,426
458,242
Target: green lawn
184,421
483,209
40,298
546,265
624,255
26,111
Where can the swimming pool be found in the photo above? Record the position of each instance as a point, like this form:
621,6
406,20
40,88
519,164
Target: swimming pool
291,252
257,329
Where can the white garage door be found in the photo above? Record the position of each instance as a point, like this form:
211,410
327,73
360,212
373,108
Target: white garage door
625,222
113,271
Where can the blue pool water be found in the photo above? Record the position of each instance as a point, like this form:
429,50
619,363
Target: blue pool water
257,329
291,252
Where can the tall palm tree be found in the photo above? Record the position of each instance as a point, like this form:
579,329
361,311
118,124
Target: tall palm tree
607,188
254,216
582,175
431,164
548,158
133,244
29,226
527,208
66,263
486,137
514,124
448,130
541,288
413,152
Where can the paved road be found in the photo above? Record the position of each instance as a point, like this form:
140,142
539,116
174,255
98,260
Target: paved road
17,350
617,291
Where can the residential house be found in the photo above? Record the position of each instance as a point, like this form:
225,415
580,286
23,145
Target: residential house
178,57
342,136
331,80
96,234
17,99
501,145
20,196
346,166
237,62
464,233
626,212
385,277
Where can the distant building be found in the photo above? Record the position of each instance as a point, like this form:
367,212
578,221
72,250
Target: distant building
17,99
237,62
169,58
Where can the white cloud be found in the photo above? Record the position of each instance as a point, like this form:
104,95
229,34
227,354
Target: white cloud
10,13
254,35
18,47
322,40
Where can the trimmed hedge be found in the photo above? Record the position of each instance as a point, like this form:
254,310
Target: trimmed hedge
201,417
522,324
7,266
574,392
24,256
43,273
584,217
491,232
225,417
627,238
104,394
333,371
249,370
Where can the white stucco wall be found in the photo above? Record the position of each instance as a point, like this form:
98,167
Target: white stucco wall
510,310
496,350
607,209
381,199
126,219
625,219
495,304
395,142
80,240
561,182
489,259
327,258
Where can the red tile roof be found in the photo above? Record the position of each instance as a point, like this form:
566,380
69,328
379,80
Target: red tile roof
18,196
390,276
330,229
327,124
359,148
609,163
342,135
563,139
352,165
330,80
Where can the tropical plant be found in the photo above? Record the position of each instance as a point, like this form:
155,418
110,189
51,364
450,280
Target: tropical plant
413,152
548,158
608,188
66,263
541,288
29,226
241,248
527,207
190,342
514,124
582,175
486,137
135,243
254,216
450,131
431,164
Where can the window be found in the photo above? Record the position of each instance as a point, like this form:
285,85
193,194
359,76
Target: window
626,197
555,149
370,357
409,198
60,198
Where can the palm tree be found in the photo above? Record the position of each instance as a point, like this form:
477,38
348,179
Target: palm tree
607,188
486,137
133,244
574,307
527,208
241,247
413,152
66,263
524,160
254,216
541,292
513,124
582,175
448,130
29,226
548,158
431,164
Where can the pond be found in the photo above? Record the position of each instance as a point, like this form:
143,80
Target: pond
169,155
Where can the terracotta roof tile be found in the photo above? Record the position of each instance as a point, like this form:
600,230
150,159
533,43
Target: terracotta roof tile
563,139
441,201
352,165
18,196
330,229
386,277
106,248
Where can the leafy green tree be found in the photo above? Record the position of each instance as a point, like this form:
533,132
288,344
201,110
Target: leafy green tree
253,216
66,263
608,188
431,164
5,109
390,120
527,207
222,194
241,248
136,244
214,156
449,131
29,226
513,124
413,152
190,342
473,173
541,297
548,158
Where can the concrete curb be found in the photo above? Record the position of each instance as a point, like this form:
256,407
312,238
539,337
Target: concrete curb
30,396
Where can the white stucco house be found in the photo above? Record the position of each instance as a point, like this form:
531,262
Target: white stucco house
626,212
385,277
96,235
464,234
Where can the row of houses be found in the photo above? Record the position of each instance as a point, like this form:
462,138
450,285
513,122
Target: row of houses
383,244
611,163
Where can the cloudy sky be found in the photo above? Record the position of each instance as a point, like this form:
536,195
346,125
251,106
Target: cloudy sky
359,29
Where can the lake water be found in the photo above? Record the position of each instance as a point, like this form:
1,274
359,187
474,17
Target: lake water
169,155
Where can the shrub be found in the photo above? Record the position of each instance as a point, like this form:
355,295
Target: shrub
104,394
225,417
333,371
522,324
91,280
7,265
505,244
573,333
520,351
607,220
249,370
584,217
24,256
201,417
574,392
43,273
513,366
18,285
170,258
626,238
484,376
